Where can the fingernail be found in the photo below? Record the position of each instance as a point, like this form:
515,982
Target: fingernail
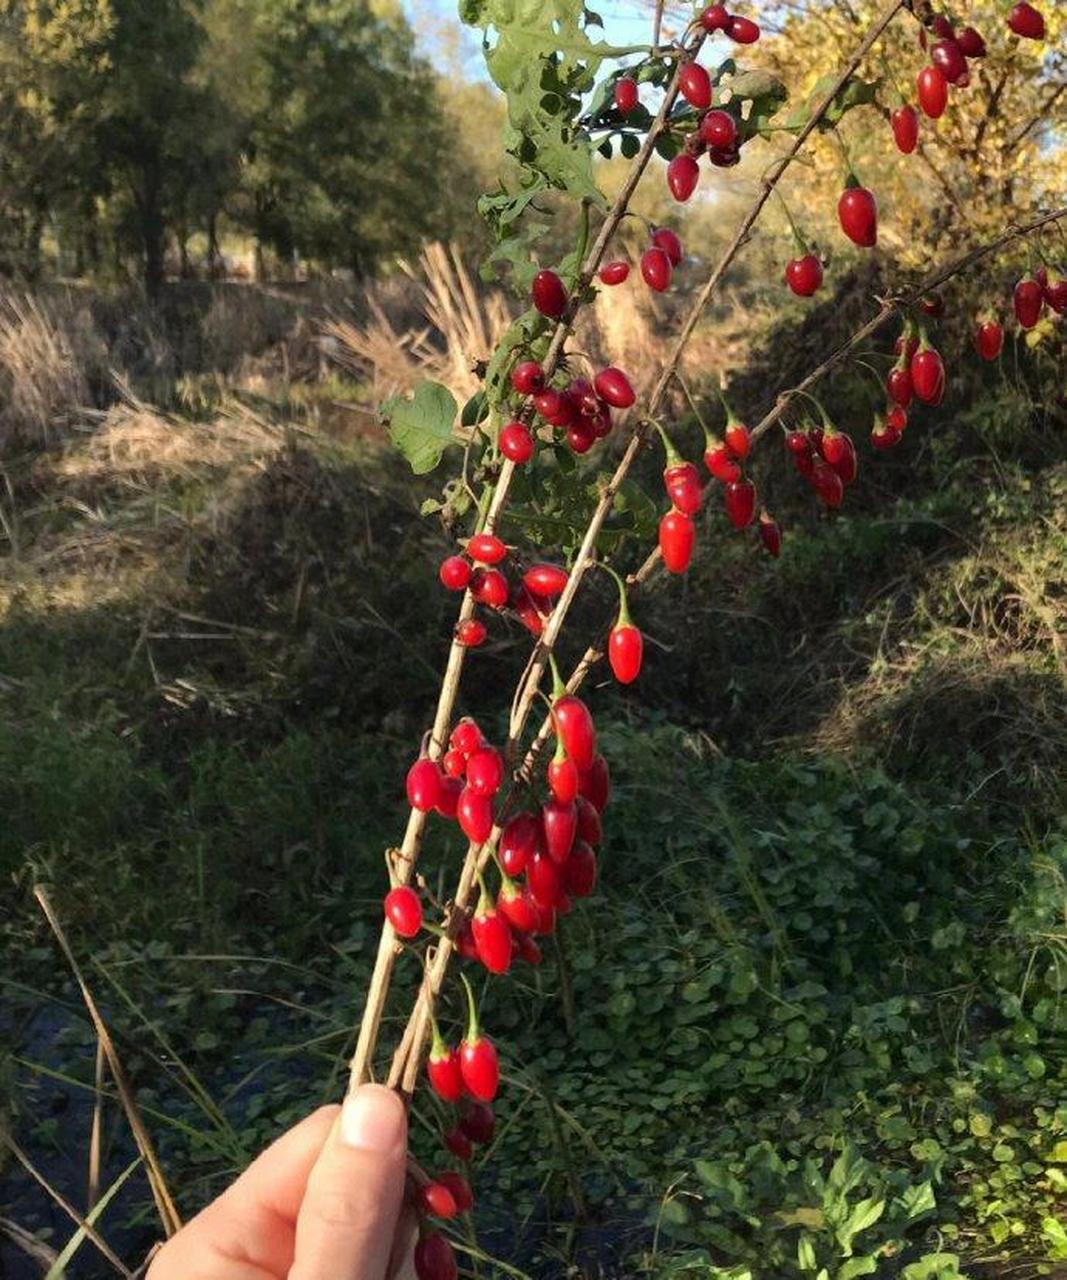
373,1119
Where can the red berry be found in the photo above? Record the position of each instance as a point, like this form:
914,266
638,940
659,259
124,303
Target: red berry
770,534
625,651
932,90
544,881
590,828
940,26
694,83
516,443
827,483
715,18
579,871
989,339
442,1068
804,275
656,269
905,122
527,377
897,419
465,943
559,822
857,211
486,548
724,157
519,841
682,176
840,453
455,573
883,436
531,612
459,1188
596,784
580,437
403,910
718,129
436,1201
970,42
481,1069
719,460
434,1259
949,60
475,815
518,907
478,1122
682,483
676,538
928,375
451,790
458,1143
492,937
454,763
738,440
563,780
466,736
798,443
625,94
424,785
490,587
575,729
485,771
1026,21
1027,300
545,580
743,30
614,272
664,238
613,387
528,949
1055,291
898,385
740,500
549,295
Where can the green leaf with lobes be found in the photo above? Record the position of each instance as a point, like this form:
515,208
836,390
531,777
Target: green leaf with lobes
421,427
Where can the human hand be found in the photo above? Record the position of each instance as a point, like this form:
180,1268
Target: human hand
324,1202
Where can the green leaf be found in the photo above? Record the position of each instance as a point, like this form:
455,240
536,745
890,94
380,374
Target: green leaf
865,1266
421,427
58,1269
865,1213
1056,1234
934,1266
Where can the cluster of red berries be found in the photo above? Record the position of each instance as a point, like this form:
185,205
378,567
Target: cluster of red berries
545,860
1045,288
663,254
947,66
530,599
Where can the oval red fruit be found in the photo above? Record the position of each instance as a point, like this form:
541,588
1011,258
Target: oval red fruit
667,240
625,651
676,539
563,780
434,1259
928,375
714,18
436,1201
481,1068
1026,21
720,462
451,790
485,771
475,815
490,587
989,339
545,579
518,907
970,42
898,385
857,211
575,729
596,784
905,122
560,825
656,269
549,295
527,377
682,176
519,841
403,910
740,501
613,387
947,56
1027,300
492,939
625,94
883,436
543,878
478,1122
590,828
444,1074
718,129
579,872
770,534
455,573
743,30
458,1187
424,785
612,273
931,88
516,443
738,439
804,275
694,84
682,483
486,548
459,1144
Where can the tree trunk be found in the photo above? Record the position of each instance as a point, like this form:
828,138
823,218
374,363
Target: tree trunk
153,228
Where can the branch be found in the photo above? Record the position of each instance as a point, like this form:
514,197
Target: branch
403,860
407,1057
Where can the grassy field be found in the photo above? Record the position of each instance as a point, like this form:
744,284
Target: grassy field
815,1016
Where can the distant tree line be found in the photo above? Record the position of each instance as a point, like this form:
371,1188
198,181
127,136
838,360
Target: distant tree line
127,127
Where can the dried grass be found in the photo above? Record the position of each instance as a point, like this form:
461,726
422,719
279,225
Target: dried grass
48,353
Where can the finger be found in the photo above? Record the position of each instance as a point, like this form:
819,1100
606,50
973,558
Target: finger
401,1258
346,1223
249,1231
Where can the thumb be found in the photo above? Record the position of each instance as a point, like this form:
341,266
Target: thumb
349,1214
